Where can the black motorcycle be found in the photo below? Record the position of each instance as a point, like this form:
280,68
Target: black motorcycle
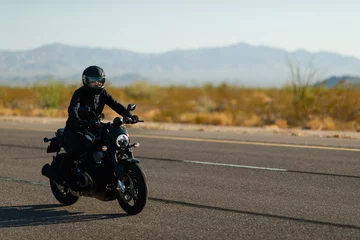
107,171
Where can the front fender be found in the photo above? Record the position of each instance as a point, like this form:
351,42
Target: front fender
119,167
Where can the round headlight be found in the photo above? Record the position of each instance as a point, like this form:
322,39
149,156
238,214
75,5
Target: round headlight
122,140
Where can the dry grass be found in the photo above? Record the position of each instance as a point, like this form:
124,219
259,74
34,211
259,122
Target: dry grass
330,109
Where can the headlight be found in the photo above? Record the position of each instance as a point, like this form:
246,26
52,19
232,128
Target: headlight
122,141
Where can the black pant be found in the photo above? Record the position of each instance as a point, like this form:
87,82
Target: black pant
74,143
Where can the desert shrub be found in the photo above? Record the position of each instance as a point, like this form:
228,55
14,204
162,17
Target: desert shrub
221,104
140,91
49,93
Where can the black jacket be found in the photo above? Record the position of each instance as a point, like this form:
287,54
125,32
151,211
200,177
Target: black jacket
82,97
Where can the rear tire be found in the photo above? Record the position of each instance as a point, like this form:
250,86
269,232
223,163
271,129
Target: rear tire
134,199
61,192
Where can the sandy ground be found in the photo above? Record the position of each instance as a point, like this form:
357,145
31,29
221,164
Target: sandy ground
198,127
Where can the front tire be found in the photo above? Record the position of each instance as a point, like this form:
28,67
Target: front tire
134,198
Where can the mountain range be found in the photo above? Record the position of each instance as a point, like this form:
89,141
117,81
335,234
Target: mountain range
340,81
240,64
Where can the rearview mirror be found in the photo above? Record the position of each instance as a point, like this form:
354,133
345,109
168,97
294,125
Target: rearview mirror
131,107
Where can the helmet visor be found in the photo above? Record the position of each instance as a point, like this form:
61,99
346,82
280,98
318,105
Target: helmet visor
96,82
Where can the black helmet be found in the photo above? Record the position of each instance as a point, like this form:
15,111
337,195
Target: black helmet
93,79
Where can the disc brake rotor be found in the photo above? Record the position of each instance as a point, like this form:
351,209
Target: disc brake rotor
128,194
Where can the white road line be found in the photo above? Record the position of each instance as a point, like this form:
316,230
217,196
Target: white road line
248,143
22,180
235,166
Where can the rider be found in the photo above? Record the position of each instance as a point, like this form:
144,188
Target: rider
92,95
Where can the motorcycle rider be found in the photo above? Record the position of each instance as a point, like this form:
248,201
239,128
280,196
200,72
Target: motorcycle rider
93,96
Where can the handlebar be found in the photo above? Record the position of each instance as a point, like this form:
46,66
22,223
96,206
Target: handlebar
128,120
92,123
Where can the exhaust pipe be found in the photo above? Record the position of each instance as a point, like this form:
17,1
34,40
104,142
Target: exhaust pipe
48,172
84,179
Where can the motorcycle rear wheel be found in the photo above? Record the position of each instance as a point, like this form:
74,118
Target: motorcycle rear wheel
134,198
60,192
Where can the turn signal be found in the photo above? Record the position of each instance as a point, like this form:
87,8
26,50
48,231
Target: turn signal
136,145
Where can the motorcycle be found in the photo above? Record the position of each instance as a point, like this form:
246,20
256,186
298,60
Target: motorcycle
107,171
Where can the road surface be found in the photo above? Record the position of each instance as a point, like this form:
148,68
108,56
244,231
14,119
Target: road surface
202,185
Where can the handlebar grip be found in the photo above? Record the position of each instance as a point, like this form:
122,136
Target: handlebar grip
127,120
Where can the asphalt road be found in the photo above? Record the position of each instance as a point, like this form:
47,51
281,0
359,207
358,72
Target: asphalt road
202,185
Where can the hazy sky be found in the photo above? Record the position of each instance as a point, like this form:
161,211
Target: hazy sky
162,25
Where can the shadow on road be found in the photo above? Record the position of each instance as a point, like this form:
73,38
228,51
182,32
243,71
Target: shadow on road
339,225
39,215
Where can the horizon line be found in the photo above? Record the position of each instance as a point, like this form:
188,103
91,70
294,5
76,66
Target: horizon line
177,49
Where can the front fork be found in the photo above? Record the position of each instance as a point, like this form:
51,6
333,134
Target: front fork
119,167
119,164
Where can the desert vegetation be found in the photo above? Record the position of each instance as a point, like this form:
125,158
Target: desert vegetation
223,104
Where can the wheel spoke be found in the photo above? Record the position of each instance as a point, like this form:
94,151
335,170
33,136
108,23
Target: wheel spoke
136,188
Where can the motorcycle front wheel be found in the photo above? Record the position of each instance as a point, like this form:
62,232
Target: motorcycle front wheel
133,199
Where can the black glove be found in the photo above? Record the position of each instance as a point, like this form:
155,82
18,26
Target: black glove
131,119
134,118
